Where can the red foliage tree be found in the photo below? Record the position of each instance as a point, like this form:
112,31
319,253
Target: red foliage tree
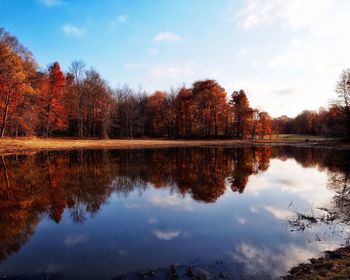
242,114
53,99
211,103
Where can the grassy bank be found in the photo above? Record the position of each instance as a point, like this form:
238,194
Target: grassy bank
334,265
20,145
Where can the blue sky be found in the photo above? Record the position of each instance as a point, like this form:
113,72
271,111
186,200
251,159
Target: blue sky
286,54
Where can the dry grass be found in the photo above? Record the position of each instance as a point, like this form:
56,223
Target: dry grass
8,145
301,137
334,265
20,145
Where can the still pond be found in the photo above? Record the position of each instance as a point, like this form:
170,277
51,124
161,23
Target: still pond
100,214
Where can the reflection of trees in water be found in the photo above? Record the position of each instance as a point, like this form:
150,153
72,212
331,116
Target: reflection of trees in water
81,181
337,165
332,160
246,163
340,183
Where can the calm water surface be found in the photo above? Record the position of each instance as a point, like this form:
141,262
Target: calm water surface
101,214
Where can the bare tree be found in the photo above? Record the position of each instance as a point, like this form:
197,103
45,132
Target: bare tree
343,91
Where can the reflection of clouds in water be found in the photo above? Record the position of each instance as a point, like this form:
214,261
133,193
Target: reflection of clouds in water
289,176
254,209
276,261
241,220
153,220
166,235
72,240
165,200
132,205
279,213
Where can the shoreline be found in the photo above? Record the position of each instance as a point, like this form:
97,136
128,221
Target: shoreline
332,265
28,145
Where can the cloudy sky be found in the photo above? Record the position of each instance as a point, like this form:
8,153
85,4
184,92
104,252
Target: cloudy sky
286,54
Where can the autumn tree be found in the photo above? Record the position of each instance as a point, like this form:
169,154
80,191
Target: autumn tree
334,121
184,107
265,127
282,125
156,105
89,102
210,100
326,122
242,113
17,70
54,109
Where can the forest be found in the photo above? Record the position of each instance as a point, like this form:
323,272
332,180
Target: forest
80,103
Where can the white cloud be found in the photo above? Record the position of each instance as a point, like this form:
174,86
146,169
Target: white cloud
167,235
295,43
167,36
260,94
73,31
312,54
242,52
171,71
294,14
255,64
305,57
51,3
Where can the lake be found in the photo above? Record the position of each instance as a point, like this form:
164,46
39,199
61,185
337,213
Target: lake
100,214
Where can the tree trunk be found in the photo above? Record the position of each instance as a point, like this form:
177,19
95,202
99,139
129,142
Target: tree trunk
48,117
4,119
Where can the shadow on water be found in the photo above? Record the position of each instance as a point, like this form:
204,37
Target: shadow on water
80,183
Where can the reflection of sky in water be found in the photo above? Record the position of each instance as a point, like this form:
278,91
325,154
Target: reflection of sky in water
157,228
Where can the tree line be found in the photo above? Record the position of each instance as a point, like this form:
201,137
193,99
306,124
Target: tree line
328,122
80,103
333,121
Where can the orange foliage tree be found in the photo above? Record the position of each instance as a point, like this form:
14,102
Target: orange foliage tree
210,100
52,96
184,107
17,69
265,127
242,114
156,105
